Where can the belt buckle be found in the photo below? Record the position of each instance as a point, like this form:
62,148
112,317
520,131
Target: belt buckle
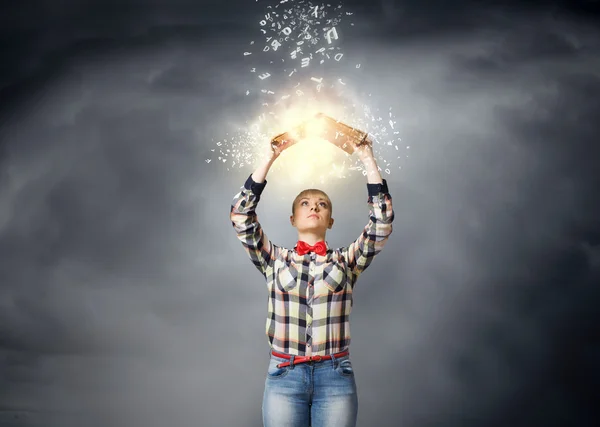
316,359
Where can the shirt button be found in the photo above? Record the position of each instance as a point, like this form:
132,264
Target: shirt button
307,344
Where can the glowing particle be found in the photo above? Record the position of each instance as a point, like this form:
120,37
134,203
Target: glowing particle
247,53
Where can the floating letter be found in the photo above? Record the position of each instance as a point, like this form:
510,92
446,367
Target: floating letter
331,32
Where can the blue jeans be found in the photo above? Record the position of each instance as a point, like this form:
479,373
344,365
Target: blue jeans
317,394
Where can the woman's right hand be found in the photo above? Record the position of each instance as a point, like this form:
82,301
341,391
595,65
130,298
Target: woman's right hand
280,143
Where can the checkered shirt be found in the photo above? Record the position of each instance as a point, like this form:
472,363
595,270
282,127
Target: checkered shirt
310,296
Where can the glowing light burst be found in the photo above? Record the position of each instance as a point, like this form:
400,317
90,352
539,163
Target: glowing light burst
292,76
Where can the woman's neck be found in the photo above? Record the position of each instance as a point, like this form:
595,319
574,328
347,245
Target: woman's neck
311,238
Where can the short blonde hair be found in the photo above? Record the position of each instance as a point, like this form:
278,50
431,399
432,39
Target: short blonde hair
311,192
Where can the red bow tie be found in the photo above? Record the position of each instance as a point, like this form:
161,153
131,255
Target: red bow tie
320,248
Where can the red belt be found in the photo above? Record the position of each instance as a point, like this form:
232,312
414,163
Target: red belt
305,359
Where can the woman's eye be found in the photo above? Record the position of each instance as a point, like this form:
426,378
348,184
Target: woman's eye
304,202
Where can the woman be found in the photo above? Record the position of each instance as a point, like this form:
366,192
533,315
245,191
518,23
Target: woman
310,380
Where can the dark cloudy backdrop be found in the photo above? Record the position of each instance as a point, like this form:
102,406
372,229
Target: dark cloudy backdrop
126,300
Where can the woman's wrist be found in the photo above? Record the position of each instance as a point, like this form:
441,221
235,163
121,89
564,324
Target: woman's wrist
368,159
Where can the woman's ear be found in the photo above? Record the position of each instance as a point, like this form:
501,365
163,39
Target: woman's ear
331,223
292,220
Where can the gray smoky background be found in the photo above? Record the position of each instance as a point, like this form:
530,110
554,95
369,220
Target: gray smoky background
126,299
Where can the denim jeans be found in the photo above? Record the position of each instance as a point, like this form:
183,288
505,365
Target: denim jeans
317,394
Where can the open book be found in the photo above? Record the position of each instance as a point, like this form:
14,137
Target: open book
325,127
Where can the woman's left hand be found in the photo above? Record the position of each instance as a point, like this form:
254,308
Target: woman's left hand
364,151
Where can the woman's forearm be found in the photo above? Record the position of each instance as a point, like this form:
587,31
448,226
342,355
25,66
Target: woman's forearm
373,174
260,174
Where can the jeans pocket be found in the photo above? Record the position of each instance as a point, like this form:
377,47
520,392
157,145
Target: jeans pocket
344,368
274,372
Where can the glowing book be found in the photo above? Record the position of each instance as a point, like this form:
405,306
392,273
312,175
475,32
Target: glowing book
325,127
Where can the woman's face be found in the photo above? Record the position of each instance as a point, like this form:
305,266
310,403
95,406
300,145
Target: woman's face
312,213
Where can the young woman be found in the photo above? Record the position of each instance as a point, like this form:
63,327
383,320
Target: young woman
310,380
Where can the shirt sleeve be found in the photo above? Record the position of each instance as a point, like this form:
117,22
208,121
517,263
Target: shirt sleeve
361,252
248,229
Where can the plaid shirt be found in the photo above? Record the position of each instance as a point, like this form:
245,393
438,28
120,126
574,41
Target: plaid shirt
310,296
